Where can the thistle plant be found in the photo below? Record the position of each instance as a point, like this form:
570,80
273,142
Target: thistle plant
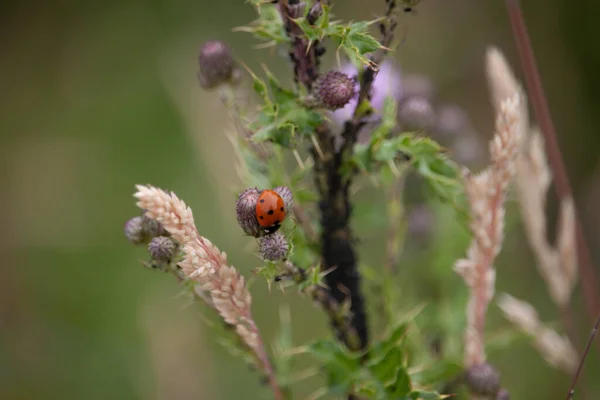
309,152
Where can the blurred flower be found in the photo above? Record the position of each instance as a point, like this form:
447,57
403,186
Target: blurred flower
420,220
273,247
451,121
245,209
387,82
483,380
133,230
503,394
162,248
216,64
416,113
334,90
467,149
415,85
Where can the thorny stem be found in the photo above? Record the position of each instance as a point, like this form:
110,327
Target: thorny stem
337,245
588,279
322,296
583,357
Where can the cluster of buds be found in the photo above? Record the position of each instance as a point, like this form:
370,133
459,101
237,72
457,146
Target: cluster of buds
260,214
161,246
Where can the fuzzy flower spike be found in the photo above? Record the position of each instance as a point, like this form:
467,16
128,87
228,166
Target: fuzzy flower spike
207,265
486,193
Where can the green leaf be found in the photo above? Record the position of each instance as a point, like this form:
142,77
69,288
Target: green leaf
440,371
340,365
282,116
401,386
269,26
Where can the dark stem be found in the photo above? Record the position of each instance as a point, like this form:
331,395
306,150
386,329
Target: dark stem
582,361
337,246
588,279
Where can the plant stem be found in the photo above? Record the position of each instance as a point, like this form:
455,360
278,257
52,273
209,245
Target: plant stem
582,361
587,275
337,245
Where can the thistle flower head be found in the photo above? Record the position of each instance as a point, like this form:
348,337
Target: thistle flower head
133,230
483,380
387,83
245,209
152,228
216,64
162,248
334,90
273,247
503,394
286,195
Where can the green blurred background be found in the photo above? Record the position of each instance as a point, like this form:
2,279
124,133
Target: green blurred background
98,96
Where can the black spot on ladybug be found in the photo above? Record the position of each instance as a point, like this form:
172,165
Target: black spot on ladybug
261,217
271,212
262,201
281,209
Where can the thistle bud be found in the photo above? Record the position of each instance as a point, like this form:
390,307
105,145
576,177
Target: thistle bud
133,230
273,247
315,12
245,209
483,380
162,248
416,113
151,228
334,90
216,64
503,394
286,196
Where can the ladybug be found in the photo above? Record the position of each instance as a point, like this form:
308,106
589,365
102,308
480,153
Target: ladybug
270,211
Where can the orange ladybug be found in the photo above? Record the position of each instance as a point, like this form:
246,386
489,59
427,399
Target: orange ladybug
270,211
